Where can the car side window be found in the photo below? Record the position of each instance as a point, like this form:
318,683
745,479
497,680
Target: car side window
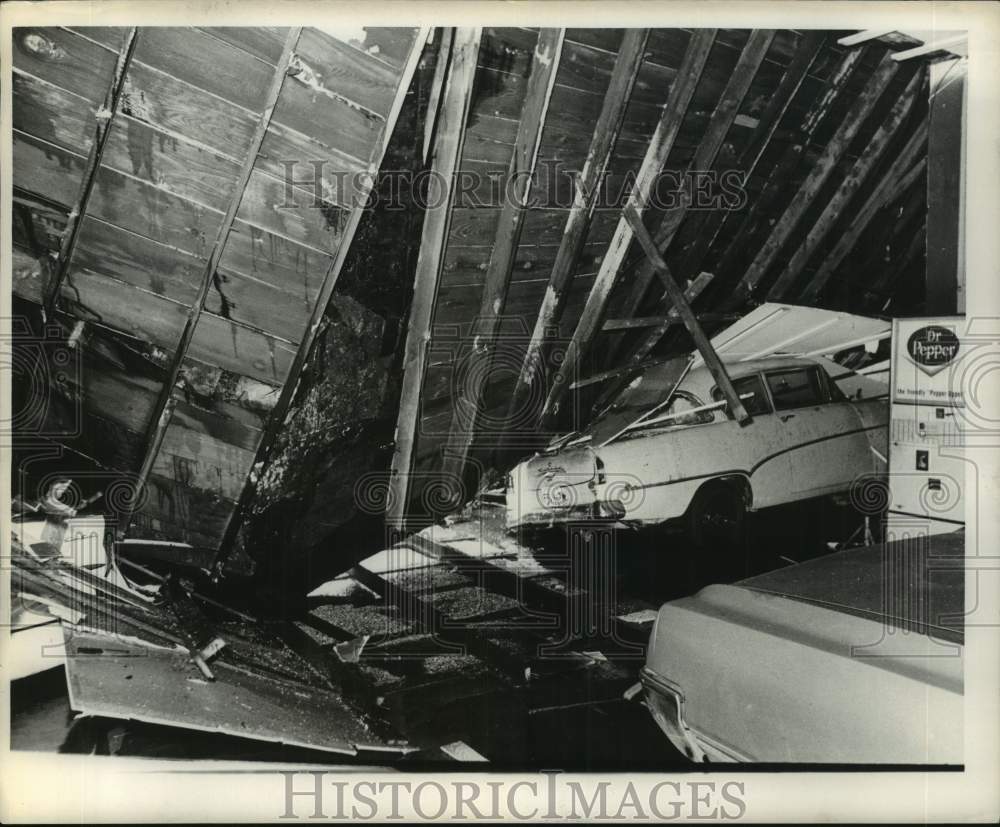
750,387
799,388
684,401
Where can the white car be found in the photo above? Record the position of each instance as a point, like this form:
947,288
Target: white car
686,460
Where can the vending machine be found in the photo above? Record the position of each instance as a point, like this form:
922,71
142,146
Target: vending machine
926,458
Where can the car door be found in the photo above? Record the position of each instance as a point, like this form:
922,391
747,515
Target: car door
825,444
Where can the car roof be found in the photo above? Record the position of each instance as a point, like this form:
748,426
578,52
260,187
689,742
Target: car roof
700,380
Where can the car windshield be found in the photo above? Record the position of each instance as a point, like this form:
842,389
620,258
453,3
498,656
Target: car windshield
685,409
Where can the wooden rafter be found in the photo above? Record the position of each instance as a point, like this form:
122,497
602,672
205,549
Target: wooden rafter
848,188
676,296
441,190
681,92
609,124
437,85
707,224
161,415
897,179
810,187
465,404
708,148
102,128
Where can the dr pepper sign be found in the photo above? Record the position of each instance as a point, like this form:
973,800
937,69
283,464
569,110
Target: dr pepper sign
926,353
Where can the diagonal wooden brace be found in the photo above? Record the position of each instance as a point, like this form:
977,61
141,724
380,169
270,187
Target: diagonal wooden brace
676,296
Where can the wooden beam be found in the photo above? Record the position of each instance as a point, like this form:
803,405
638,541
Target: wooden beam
895,181
609,124
814,181
708,148
161,416
437,85
467,400
668,320
681,92
441,191
848,188
105,118
858,38
956,44
676,296
748,161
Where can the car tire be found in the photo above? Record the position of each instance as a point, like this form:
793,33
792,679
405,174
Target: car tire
716,523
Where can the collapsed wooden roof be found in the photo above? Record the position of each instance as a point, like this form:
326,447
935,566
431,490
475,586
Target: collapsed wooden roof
809,158
152,221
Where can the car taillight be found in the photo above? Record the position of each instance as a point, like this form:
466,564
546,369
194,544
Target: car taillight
666,704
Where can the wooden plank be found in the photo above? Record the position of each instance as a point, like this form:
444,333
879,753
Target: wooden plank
330,120
176,512
660,145
391,44
208,63
847,189
448,150
97,298
258,304
111,37
166,102
38,225
704,158
568,257
198,460
264,42
154,212
291,212
445,36
47,112
546,60
47,170
691,292
814,181
286,265
29,274
196,419
590,70
347,72
894,181
134,259
311,165
64,60
187,170
224,395
679,303
239,349
464,266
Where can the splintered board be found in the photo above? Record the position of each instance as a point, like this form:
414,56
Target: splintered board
212,224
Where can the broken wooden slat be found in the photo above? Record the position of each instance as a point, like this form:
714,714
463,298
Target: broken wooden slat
712,360
848,187
571,246
814,181
722,119
545,62
895,180
447,152
681,92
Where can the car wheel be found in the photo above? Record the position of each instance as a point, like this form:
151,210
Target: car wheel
716,527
